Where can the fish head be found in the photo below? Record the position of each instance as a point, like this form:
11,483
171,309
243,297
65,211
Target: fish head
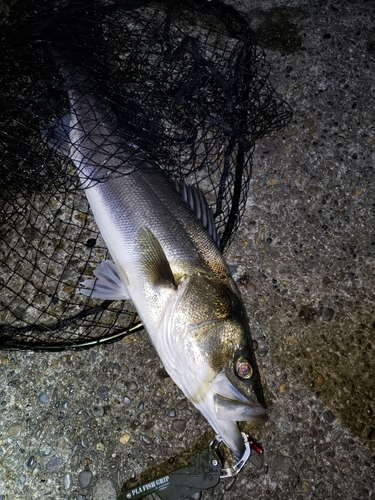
232,391
224,382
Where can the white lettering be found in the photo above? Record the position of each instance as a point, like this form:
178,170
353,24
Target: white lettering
162,480
148,486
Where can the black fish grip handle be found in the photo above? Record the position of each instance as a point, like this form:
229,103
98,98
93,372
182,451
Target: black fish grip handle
203,472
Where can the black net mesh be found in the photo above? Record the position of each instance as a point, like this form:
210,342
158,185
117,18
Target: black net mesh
184,82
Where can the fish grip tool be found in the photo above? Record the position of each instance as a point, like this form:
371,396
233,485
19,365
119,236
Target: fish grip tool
204,471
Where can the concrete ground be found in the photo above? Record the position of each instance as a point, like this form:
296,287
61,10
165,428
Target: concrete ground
76,425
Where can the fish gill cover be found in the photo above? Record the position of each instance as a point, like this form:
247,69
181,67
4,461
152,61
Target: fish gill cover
184,82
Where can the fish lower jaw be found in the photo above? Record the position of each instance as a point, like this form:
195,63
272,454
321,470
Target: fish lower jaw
223,407
227,430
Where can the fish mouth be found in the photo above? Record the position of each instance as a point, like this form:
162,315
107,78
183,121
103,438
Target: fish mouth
229,407
238,411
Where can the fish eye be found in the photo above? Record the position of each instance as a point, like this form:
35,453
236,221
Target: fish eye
244,368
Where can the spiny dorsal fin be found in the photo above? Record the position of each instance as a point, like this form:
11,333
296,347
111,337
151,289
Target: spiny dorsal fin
196,201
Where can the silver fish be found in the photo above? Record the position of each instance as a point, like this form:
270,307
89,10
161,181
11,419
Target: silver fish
162,239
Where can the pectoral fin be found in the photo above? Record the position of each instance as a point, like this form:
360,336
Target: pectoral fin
109,284
153,259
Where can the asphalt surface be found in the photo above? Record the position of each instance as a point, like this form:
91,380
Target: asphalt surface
77,425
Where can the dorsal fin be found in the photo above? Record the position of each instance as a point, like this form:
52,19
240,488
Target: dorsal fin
196,201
